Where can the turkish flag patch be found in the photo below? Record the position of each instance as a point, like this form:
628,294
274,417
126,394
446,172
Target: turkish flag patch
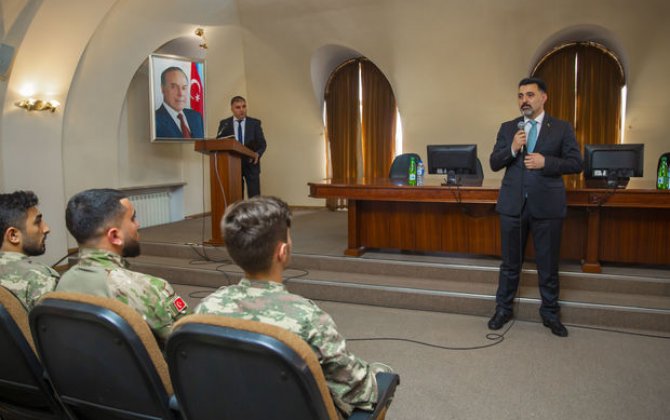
179,304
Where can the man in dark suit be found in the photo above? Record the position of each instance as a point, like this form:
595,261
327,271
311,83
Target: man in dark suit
173,119
250,135
535,150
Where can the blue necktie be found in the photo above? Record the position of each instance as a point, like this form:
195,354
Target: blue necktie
240,131
532,136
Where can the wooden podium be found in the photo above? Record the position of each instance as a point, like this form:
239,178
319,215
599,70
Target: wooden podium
225,177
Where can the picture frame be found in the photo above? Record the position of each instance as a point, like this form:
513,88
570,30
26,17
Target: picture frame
177,98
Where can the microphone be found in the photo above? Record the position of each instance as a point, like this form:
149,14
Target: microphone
521,125
223,128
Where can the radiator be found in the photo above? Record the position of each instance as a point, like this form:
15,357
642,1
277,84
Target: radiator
152,208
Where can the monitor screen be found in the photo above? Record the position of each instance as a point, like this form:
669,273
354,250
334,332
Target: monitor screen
612,161
460,159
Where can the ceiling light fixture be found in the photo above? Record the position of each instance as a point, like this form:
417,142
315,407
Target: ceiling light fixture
201,33
38,104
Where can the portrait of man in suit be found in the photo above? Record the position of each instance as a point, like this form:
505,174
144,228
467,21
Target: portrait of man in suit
248,131
173,119
535,150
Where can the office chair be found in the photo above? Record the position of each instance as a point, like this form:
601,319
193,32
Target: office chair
228,368
480,170
400,166
102,358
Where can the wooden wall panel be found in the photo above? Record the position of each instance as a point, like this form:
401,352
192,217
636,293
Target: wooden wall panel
631,235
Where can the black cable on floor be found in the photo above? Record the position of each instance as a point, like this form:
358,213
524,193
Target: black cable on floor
497,338
500,337
204,258
297,276
201,294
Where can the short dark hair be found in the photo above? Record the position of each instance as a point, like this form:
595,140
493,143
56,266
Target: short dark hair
90,211
237,99
534,81
14,210
252,229
170,70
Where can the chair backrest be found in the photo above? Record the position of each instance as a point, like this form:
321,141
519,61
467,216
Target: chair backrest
24,392
227,368
101,357
400,166
480,170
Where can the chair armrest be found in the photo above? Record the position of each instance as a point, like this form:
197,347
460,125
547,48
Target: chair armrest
386,385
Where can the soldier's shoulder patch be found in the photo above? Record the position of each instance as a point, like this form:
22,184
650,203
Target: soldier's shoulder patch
179,304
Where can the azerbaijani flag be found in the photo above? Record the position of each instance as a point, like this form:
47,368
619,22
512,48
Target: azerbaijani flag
197,93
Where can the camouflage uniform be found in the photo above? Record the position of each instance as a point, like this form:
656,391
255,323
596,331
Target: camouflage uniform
351,380
103,273
27,279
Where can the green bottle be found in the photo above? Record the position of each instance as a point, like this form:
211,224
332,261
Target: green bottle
411,176
663,181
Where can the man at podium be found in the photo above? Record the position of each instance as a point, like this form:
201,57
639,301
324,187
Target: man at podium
248,131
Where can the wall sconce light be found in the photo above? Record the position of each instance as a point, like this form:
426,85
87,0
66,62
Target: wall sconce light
201,33
38,104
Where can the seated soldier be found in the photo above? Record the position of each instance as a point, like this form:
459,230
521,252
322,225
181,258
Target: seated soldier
24,233
257,237
103,223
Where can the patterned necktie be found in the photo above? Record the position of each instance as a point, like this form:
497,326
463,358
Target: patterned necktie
532,136
185,133
240,131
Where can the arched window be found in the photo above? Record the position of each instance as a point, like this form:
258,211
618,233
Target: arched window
586,85
361,119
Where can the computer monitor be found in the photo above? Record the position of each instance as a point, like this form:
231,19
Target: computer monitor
456,161
612,165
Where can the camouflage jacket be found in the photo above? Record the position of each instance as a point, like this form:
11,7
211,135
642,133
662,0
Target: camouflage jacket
27,279
351,380
103,273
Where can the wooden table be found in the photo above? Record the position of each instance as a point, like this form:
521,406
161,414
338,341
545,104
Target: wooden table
629,225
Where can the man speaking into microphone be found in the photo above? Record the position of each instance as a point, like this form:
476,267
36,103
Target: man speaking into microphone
249,132
535,150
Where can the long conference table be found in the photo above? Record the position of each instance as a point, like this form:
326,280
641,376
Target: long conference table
629,226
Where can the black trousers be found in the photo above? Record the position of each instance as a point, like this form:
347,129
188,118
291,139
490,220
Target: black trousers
547,241
253,181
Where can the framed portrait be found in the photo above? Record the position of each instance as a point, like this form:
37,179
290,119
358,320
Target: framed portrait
177,90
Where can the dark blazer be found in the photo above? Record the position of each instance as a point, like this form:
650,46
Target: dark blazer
542,189
167,128
254,139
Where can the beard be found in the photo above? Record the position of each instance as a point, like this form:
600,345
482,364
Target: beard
131,249
527,111
33,248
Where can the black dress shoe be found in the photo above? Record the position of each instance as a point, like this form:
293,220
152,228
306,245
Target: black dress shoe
499,319
556,327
